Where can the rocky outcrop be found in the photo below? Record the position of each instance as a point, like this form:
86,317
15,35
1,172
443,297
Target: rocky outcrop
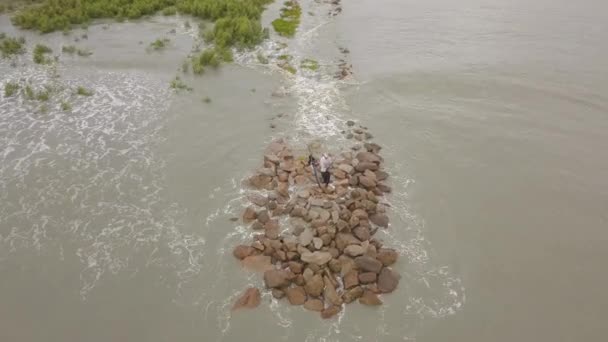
329,256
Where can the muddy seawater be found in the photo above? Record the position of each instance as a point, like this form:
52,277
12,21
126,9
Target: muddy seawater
115,215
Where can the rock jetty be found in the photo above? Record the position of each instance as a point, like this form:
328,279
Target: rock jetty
316,246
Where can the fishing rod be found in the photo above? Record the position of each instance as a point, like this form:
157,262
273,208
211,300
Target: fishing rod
311,162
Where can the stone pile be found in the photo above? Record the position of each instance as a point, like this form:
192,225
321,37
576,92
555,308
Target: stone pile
325,254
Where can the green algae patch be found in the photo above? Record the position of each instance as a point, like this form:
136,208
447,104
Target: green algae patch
84,91
309,64
289,20
159,44
11,88
40,52
177,84
10,46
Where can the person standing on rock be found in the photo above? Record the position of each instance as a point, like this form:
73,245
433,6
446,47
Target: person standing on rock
325,164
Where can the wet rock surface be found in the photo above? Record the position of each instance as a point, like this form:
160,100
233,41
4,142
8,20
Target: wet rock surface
314,245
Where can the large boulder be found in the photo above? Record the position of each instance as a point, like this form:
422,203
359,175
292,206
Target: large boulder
249,214
384,188
367,277
276,278
367,182
361,167
345,239
314,305
388,280
283,189
305,237
381,175
315,285
242,251
317,258
370,298
351,279
257,263
368,157
352,294
260,181
346,168
296,295
379,220
271,158
368,264
354,250
258,199
330,311
362,233
249,299
330,294
295,267
387,256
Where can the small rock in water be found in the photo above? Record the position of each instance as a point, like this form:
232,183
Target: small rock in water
388,280
249,299
368,264
330,312
350,123
296,295
276,278
370,298
314,305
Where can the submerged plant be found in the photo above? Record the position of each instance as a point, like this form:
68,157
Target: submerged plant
288,67
212,57
12,46
29,92
159,44
84,91
40,52
66,106
43,95
310,64
207,99
178,84
11,88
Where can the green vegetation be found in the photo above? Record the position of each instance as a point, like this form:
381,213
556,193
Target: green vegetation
11,88
287,24
310,64
212,57
159,44
84,91
288,67
262,59
71,50
178,84
66,106
40,52
11,46
43,95
171,10
29,93
284,57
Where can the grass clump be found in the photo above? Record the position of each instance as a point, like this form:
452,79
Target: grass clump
11,88
212,57
310,64
12,46
43,95
284,57
159,44
40,52
287,24
289,68
66,106
29,92
84,91
71,50
178,84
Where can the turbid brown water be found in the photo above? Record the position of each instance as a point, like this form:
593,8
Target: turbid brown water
114,223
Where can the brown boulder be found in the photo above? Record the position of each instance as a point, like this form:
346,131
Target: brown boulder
249,299
351,279
368,157
384,188
362,233
381,175
367,182
283,189
330,312
249,214
317,258
276,278
367,277
330,294
260,181
379,220
263,216
314,286
314,305
387,256
242,251
296,295
334,265
257,263
388,280
295,267
258,199
352,294
368,264
361,167
370,298
345,239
